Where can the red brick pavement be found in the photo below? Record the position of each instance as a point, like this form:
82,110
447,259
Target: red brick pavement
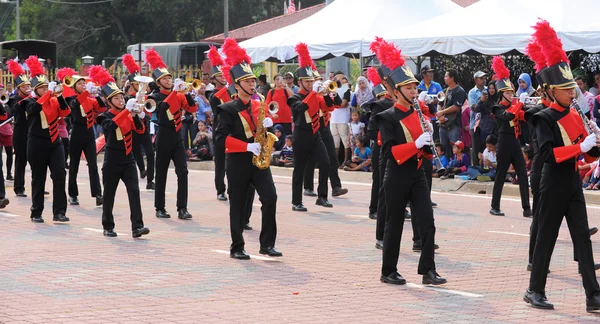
70,273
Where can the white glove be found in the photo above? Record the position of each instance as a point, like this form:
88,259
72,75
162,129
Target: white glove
254,148
142,115
428,126
523,96
317,86
424,139
91,88
177,86
33,94
588,143
267,122
593,126
210,87
131,104
51,86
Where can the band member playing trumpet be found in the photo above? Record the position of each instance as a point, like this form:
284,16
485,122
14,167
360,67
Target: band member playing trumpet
509,117
118,125
17,103
170,104
238,125
85,106
44,147
562,136
405,138
140,140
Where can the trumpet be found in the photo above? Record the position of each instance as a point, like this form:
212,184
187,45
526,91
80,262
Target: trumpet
68,81
149,105
195,84
436,160
273,107
3,99
326,87
440,96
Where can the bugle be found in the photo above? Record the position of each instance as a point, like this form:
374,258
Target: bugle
147,105
3,98
68,81
440,96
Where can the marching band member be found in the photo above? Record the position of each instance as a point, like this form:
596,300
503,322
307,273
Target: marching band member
509,117
404,142
306,105
84,110
170,103
17,102
236,130
140,140
562,137
118,125
3,119
44,146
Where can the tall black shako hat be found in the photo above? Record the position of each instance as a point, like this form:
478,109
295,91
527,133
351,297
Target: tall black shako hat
306,66
216,62
558,74
534,52
19,76
378,88
159,68
100,76
502,73
132,67
238,61
400,74
375,46
36,71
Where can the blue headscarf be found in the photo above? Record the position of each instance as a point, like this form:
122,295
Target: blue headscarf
527,79
279,144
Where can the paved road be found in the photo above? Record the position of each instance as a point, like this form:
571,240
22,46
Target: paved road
181,272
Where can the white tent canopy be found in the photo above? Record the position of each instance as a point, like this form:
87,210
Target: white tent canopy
498,26
345,27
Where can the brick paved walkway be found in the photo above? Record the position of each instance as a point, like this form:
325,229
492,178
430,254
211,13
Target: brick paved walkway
181,272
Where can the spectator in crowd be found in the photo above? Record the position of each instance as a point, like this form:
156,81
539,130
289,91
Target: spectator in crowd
202,145
280,133
286,157
362,95
525,85
361,160
439,148
341,116
449,112
331,75
204,109
528,157
486,170
263,85
485,123
356,128
589,98
585,164
289,81
459,163
431,88
465,134
280,95
205,78
474,97
594,89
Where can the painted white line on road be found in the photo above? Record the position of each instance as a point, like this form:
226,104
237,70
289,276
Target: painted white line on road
358,216
257,257
517,234
8,214
93,229
450,291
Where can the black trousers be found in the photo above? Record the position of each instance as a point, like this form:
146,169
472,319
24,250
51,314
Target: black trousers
44,155
169,146
187,134
9,159
309,171
220,162
112,173
376,152
144,141
561,195
306,144
535,177
381,205
509,152
242,175
20,147
2,188
477,146
403,186
87,145
66,146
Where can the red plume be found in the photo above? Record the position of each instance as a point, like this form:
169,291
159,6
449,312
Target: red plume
550,43
15,68
66,71
390,55
499,68
100,76
375,45
304,59
373,76
534,51
225,69
214,57
234,53
130,64
35,67
154,59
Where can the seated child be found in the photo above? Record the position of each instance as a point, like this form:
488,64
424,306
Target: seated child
361,160
286,157
201,146
459,163
486,171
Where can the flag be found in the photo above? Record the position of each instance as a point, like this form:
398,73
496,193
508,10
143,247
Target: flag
292,7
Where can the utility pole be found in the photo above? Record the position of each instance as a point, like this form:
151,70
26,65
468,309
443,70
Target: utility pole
337,63
226,18
18,16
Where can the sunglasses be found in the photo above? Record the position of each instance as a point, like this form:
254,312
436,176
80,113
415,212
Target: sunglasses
289,78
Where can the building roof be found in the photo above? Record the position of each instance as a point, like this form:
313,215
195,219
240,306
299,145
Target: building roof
464,3
267,25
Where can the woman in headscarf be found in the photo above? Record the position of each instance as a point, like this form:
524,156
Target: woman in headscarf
485,121
525,85
362,95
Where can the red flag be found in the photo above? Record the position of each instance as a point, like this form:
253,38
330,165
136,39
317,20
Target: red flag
292,7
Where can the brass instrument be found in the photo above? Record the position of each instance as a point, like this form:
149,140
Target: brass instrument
264,138
68,81
436,160
3,99
531,101
440,96
58,90
142,103
195,84
273,107
585,120
331,86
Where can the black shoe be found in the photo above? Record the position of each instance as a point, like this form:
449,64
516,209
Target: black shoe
593,304
184,214
4,202
379,244
537,300
496,212
248,227
109,233
99,200
433,205
73,201
138,232
417,246
373,215
593,230
433,278
221,197
310,193
9,177
143,174
339,191
407,215
270,251
240,255
162,213
150,186
323,202
37,219
393,278
299,207
21,194
527,213
60,218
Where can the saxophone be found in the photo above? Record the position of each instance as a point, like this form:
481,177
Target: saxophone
264,138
